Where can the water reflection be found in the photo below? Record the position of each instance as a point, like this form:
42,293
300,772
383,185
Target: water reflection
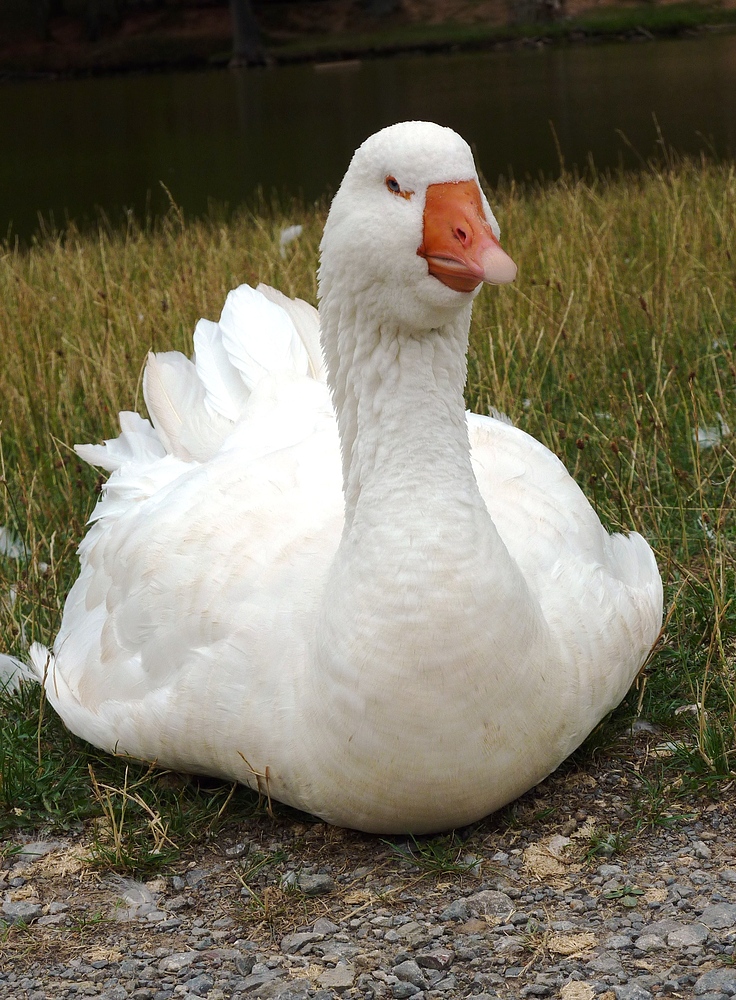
69,147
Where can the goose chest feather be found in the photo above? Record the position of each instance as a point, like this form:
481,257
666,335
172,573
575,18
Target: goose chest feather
314,573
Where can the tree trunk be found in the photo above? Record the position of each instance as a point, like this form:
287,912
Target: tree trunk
379,8
247,44
100,13
45,10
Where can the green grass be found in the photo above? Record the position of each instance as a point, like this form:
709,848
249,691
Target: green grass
614,347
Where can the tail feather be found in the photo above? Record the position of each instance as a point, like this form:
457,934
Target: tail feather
13,671
138,442
171,388
259,337
195,405
225,391
306,321
175,397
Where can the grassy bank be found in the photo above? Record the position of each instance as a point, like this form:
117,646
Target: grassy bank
616,347
168,46
605,23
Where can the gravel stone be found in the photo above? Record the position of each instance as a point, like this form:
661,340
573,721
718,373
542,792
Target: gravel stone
325,926
180,902
631,991
22,911
457,910
279,990
717,981
340,978
606,965
316,885
177,962
692,935
438,958
618,941
403,990
200,985
257,979
35,850
410,972
719,916
244,964
649,942
491,903
293,943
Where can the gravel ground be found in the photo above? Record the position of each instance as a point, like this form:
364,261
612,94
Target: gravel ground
290,908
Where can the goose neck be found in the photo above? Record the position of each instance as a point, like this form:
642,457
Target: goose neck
401,414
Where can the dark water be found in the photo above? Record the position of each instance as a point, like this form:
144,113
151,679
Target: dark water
69,147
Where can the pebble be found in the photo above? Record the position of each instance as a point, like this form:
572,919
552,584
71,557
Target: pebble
402,990
631,991
439,959
174,963
293,943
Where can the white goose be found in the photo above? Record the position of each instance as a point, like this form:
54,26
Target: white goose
404,657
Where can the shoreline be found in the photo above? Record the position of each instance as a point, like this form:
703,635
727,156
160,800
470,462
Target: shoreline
160,53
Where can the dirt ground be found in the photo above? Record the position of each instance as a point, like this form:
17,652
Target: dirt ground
612,809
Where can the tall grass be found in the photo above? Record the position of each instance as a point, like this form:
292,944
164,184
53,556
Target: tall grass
615,347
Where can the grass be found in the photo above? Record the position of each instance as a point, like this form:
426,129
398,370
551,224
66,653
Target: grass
443,855
616,347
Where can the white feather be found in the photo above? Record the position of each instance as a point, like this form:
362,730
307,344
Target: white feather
11,545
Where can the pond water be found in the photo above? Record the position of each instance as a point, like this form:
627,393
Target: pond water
70,147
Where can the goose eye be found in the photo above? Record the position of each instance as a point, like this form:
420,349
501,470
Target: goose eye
393,185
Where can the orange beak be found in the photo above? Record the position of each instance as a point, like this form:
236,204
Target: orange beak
458,243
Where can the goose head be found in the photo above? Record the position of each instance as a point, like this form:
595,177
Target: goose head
410,236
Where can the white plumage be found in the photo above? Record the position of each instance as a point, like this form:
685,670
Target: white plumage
401,641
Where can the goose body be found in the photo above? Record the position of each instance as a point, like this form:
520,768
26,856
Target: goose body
323,578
